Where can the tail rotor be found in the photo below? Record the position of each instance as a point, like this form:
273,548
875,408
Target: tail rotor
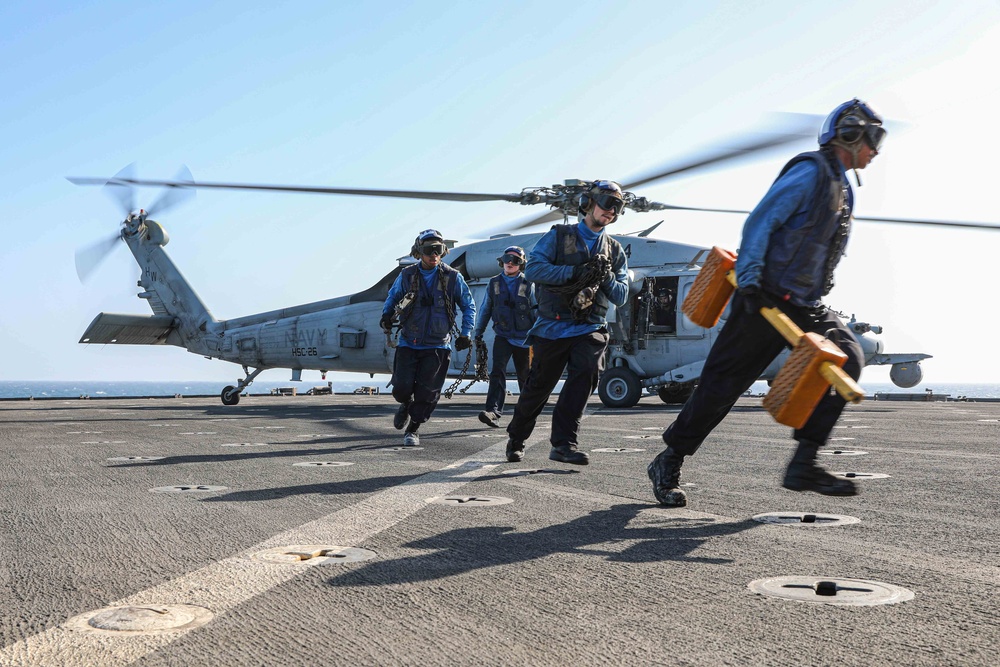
121,189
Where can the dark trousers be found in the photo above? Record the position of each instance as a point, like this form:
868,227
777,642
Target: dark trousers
746,345
417,378
502,352
583,359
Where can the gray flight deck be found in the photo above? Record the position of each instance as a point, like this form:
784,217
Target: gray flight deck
182,532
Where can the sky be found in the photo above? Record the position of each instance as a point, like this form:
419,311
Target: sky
454,96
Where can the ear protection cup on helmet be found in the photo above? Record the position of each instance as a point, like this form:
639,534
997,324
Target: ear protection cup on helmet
850,129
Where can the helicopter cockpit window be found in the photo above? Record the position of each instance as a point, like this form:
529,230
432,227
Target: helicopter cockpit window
663,306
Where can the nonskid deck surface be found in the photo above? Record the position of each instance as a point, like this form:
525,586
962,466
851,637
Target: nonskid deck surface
297,530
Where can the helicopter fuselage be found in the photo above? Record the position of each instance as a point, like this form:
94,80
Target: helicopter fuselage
653,346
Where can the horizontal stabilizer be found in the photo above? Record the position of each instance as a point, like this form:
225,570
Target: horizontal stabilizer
128,329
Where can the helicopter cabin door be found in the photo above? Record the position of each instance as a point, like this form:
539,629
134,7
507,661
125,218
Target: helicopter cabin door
685,327
654,310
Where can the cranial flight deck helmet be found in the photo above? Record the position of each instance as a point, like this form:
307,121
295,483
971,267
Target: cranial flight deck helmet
428,238
849,123
513,252
606,194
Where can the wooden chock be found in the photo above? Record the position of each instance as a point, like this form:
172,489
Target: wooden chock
711,290
799,385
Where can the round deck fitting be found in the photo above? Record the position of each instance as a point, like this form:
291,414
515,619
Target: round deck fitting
134,459
188,488
141,619
401,449
617,450
323,464
314,554
469,501
860,475
854,592
843,452
244,444
806,520
642,437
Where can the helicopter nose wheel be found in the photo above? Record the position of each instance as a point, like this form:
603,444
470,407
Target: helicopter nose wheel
619,388
230,395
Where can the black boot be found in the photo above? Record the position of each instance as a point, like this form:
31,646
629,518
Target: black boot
569,454
515,450
804,475
665,474
401,417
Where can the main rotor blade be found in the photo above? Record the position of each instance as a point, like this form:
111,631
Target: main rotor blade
549,216
174,194
405,194
124,195
92,256
937,223
802,126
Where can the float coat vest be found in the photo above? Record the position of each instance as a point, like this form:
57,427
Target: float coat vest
572,251
431,315
512,316
800,259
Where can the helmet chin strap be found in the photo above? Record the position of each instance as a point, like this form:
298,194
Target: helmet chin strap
854,162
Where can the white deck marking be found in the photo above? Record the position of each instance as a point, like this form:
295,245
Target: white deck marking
226,584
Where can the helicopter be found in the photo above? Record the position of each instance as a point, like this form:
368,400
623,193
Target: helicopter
654,348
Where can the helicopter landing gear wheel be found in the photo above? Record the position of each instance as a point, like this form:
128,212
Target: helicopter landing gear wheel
619,388
677,394
230,395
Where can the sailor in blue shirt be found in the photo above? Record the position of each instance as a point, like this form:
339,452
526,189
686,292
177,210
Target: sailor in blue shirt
578,272
427,294
510,304
792,242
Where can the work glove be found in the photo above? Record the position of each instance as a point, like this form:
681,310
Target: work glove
578,272
601,265
463,343
752,302
479,341
386,321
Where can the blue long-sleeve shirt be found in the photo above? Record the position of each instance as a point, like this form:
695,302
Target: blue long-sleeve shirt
542,270
786,203
485,311
461,296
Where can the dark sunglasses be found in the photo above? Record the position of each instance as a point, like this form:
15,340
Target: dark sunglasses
513,259
432,249
610,203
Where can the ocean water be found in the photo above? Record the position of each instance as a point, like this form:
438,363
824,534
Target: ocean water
97,389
